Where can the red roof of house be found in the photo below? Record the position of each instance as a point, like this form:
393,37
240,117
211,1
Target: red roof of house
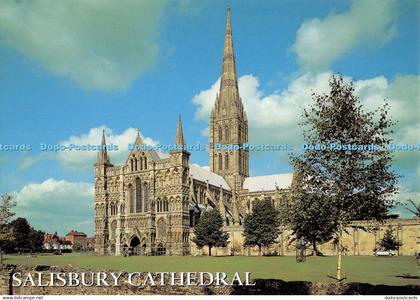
78,233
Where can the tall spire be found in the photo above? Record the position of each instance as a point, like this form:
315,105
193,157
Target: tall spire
103,154
179,140
228,121
229,93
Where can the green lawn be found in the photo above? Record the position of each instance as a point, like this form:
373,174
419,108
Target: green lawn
375,270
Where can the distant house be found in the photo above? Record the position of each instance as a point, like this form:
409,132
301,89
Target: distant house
77,238
53,242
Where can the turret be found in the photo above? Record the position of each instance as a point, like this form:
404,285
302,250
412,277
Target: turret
180,155
102,161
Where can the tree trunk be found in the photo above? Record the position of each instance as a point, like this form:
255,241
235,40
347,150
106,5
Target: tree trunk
259,250
209,250
314,248
340,246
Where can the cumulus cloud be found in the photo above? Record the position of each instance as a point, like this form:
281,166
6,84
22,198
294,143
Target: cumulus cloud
102,45
319,42
84,160
57,205
274,118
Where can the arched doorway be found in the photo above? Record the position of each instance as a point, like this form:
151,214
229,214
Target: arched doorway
134,246
161,250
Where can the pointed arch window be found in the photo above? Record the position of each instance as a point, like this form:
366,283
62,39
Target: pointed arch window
227,133
139,206
220,134
240,161
113,230
226,161
130,194
146,196
220,162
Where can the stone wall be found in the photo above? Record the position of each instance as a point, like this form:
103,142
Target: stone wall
124,288
262,287
361,238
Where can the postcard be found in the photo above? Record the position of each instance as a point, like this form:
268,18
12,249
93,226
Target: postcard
188,147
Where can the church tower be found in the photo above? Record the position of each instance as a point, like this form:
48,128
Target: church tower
228,122
101,198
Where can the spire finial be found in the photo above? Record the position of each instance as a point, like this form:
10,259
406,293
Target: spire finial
103,137
103,154
229,92
179,140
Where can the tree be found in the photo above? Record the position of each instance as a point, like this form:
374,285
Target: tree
261,226
24,237
22,231
6,213
36,239
302,214
209,230
389,241
348,169
415,210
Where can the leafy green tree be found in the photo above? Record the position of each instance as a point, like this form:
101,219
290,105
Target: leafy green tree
416,208
6,213
348,184
36,240
209,231
22,231
25,238
389,241
262,225
302,214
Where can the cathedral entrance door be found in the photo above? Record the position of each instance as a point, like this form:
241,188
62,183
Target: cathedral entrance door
134,246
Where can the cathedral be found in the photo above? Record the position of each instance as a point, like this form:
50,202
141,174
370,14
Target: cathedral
150,205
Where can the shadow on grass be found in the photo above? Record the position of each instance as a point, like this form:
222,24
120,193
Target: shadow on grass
280,287
274,287
408,276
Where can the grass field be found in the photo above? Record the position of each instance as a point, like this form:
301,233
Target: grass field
375,270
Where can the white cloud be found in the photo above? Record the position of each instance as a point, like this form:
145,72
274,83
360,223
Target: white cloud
205,101
274,118
57,205
319,42
102,45
84,160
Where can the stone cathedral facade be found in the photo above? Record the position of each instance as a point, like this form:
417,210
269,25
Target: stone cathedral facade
150,205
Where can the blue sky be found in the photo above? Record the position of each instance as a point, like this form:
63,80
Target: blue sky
67,72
